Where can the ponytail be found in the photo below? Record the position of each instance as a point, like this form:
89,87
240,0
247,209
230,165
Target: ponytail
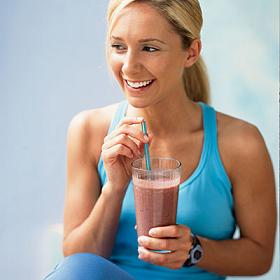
196,82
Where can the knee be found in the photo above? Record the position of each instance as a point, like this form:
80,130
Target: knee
79,266
84,259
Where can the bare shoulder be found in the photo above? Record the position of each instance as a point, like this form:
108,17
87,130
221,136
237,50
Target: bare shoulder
239,142
89,128
238,132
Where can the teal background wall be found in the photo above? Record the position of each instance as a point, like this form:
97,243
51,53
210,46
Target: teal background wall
52,65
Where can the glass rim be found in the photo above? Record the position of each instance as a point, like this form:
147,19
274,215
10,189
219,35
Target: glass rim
179,164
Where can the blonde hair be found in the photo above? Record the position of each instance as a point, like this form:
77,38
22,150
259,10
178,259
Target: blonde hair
185,17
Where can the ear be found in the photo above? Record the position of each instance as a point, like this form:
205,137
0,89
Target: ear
193,52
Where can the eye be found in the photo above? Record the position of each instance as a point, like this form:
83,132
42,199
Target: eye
150,49
118,47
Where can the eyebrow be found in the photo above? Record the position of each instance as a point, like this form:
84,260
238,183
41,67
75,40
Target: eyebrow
142,40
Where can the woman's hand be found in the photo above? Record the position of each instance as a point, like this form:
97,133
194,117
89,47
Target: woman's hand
120,148
174,238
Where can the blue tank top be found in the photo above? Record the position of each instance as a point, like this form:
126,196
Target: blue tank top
205,205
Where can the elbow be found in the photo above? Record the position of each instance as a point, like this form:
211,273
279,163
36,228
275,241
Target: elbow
74,243
70,248
265,265
264,268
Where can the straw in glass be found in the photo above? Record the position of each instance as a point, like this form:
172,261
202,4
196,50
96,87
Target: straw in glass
146,147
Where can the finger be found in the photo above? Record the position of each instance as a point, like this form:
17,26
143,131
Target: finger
124,140
130,121
134,133
167,259
117,150
170,244
170,231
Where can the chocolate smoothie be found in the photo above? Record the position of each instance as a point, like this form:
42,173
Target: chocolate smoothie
155,203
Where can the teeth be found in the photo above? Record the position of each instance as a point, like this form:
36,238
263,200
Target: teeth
139,84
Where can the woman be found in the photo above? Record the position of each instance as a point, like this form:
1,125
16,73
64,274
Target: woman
227,180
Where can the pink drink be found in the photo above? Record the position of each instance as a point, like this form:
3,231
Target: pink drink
155,203
155,192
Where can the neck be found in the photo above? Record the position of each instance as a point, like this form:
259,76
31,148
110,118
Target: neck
169,118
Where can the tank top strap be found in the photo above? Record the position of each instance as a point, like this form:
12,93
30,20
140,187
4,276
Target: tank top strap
211,136
119,114
209,124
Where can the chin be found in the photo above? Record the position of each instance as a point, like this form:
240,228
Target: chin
137,102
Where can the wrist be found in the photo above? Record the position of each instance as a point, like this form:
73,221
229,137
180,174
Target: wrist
112,192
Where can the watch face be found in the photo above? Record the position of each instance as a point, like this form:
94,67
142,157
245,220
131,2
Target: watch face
196,254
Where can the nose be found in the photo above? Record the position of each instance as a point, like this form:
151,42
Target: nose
131,64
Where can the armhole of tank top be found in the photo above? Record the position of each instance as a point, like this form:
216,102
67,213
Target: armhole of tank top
115,119
217,154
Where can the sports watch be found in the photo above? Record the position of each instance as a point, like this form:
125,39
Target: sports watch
195,253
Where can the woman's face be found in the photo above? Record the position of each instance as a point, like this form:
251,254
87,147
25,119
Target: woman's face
146,55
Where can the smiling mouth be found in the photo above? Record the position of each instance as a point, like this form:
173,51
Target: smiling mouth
139,85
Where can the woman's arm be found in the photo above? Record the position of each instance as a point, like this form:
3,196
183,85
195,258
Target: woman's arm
255,208
91,215
91,212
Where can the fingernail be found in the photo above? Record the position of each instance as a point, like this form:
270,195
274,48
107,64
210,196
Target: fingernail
146,138
140,250
141,240
140,119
